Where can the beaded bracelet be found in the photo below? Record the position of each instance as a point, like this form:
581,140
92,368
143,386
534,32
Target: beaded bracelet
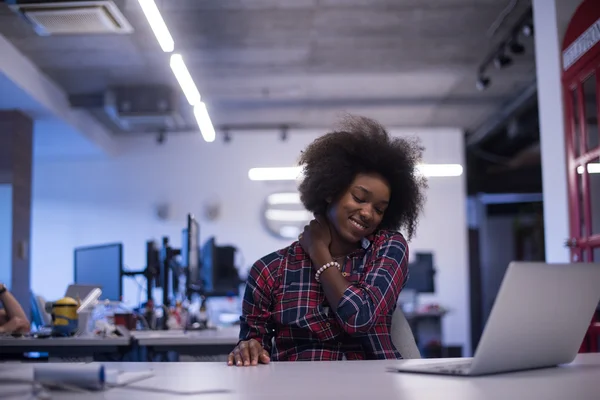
324,267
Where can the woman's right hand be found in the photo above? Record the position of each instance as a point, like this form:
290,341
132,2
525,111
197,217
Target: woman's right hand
248,352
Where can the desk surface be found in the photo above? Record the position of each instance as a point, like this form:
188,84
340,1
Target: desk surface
223,336
345,380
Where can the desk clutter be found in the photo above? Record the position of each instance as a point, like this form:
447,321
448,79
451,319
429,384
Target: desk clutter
135,346
200,288
87,376
84,379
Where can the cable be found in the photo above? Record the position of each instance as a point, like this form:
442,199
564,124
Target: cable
498,22
139,285
140,289
143,319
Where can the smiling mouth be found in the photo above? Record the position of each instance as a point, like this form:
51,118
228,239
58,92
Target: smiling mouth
358,225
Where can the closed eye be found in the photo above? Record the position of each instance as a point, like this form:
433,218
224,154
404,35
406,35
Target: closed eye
357,199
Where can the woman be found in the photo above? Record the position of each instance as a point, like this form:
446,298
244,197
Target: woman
331,294
12,316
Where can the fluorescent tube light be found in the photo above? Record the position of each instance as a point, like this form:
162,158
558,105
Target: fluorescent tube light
182,74
275,174
289,231
185,79
158,25
204,123
284,198
289,215
294,173
440,170
592,168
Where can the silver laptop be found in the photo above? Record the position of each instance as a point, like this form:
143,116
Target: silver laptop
538,320
77,291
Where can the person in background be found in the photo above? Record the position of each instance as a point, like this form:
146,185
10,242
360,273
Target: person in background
331,294
12,316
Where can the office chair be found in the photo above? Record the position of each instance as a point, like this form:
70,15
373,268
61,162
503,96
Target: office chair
591,339
402,336
39,317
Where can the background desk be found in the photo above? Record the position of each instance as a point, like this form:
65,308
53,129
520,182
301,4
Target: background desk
344,380
206,345
73,349
427,329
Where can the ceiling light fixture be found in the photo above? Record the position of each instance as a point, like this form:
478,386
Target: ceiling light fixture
182,74
509,43
226,136
515,47
482,83
440,170
158,25
289,215
592,168
289,231
527,29
284,198
502,60
296,173
204,123
275,174
185,79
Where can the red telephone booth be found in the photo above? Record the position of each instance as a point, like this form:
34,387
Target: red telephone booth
581,90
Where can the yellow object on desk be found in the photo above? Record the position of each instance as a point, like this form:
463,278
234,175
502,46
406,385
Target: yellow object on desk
64,316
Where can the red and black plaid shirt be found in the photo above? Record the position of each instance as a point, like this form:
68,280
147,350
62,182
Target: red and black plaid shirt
284,301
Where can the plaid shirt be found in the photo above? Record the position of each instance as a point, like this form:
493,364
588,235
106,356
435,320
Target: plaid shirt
284,301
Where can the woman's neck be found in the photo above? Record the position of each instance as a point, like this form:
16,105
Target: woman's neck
340,247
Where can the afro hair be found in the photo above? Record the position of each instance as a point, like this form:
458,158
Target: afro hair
362,145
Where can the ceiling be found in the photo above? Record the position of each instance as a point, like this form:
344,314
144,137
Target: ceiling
303,62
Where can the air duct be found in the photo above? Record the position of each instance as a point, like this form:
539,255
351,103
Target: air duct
72,17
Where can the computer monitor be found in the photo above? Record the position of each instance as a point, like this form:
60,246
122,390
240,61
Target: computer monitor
209,264
219,274
190,251
421,274
153,264
101,266
226,278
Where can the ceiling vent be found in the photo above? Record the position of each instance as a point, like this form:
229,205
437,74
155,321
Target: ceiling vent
143,109
73,17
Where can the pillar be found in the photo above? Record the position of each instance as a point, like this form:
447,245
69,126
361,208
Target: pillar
550,19
16,148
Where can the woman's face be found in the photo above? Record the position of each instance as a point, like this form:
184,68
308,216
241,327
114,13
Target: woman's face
359,210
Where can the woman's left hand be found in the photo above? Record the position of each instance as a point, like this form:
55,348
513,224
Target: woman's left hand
315,240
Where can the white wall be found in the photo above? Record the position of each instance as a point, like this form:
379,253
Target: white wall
5,233
90,202
550,19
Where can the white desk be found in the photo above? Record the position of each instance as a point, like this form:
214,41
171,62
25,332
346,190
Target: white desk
348,380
